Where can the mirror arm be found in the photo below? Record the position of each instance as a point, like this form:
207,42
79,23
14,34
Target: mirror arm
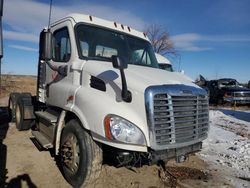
126,94
62,70
51,66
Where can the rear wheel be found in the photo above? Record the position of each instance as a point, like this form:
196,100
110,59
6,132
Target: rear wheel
12,106
80,156
21,123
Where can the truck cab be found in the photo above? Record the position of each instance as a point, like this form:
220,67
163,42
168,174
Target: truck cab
101,87
164,63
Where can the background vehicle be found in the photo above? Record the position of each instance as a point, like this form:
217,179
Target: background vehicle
88,106
228,90
164,63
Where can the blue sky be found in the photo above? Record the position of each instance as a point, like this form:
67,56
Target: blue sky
212,37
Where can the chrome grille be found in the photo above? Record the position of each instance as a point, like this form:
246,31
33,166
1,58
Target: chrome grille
177,118
241,94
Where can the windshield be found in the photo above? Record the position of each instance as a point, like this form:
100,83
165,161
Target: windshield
229,83
167,67
101,44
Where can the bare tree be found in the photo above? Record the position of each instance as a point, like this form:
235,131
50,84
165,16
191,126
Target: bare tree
160,40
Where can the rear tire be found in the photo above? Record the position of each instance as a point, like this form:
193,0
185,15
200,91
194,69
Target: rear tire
21,123
80,157
12,106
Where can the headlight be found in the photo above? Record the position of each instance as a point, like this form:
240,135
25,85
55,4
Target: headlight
117,128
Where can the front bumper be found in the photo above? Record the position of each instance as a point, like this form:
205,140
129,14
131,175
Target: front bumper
168,154
237,100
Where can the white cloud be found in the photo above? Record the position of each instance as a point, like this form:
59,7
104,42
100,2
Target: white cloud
186,37
196,42
26,18
226,38
187,42
19,36
31,16
25,48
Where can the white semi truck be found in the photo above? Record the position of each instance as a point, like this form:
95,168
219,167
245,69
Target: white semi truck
100,92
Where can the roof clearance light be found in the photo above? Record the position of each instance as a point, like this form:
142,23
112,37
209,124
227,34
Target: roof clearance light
144,35
115,24
122,26
128,28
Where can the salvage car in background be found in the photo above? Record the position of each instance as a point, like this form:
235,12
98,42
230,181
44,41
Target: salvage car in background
228,90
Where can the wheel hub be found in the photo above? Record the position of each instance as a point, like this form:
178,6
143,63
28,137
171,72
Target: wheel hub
70,153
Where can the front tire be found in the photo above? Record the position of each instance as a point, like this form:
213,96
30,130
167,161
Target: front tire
80,157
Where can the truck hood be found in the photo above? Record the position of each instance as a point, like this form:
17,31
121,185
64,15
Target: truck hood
138,77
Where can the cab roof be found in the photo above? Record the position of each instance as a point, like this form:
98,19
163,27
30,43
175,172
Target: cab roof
92,20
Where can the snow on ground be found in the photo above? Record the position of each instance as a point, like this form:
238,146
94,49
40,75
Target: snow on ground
225,146
235,121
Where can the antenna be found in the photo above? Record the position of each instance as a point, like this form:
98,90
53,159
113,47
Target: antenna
1,38
50,9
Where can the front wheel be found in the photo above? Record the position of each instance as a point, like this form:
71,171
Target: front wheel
80,156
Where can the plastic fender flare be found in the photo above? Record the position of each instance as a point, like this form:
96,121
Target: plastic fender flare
60,126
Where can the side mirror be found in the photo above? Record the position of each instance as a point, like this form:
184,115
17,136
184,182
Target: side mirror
46,45
119,62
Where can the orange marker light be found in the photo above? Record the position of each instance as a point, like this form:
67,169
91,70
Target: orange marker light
107,127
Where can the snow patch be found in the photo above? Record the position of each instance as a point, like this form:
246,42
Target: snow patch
224,144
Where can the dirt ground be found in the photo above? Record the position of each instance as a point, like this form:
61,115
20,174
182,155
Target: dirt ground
22,165
27,167
13,83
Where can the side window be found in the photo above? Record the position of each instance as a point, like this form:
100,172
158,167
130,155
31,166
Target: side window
61,45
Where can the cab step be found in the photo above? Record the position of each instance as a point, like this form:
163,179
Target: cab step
45,143
50,117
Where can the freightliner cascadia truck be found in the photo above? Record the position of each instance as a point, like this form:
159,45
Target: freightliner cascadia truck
100,92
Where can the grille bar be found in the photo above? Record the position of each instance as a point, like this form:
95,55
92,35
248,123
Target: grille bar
182,130
241,94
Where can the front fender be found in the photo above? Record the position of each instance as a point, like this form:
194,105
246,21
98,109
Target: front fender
92,106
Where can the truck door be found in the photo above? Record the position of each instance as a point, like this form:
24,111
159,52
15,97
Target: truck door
58,85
